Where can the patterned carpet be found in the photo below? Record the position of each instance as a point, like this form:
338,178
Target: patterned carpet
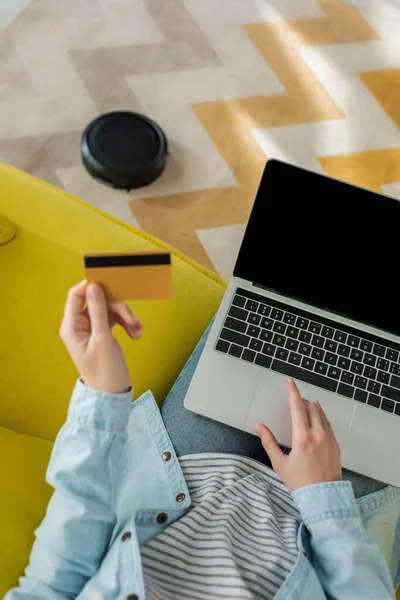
232,82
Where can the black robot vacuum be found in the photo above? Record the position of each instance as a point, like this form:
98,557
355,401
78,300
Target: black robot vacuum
124,150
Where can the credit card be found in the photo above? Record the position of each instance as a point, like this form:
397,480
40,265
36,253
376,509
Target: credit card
131,276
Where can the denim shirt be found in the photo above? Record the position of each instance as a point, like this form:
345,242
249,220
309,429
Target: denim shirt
114,471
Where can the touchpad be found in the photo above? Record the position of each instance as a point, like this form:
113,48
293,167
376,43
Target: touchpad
270,406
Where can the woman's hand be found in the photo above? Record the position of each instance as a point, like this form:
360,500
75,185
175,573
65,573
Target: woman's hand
87,334
315,455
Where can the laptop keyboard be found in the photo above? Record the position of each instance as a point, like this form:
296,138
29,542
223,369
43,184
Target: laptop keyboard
313,349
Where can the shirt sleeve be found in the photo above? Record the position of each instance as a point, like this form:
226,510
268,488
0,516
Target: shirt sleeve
347,561
75,533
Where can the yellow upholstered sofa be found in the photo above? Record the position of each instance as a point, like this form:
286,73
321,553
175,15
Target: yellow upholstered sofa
53,231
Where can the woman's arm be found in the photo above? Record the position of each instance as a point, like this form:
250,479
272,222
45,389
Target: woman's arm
349,564
75,533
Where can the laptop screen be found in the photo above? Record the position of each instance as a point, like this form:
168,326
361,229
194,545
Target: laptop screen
325,242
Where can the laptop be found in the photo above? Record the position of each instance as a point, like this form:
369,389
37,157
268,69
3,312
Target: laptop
314,296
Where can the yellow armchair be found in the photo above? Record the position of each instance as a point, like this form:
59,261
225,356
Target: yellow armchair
53,231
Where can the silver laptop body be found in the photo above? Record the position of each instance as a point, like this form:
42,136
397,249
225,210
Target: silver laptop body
314,296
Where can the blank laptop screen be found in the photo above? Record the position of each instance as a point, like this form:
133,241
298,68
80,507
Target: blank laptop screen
326,243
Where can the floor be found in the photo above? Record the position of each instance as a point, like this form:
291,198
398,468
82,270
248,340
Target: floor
232,83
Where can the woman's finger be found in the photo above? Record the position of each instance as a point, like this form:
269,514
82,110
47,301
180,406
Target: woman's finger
315,416
123,310
325,420
75,300
132,330
298,409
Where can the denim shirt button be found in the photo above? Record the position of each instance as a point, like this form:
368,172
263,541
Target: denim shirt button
166,456
162,518
127,536
132,597
180,497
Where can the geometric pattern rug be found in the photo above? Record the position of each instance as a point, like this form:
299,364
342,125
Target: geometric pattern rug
232,83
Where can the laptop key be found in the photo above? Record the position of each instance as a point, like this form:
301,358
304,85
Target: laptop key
238,313
360,382
305,349
264,310
307,363
397,408
239,301
347,377
360,395
291,344
235,350
353,341
302,323
356,355
252,305
236,325
248,355
314,327
373,386
392,354
296,372
292,332
222,346
383,377
269,349
318,341
387,405
279,327
343,350
345,390
369,372
391,393
279,340
256,344
366,346
356,368
317,353
321,368
265,335
344,363
370,360
382,364
334,372
330,358
327,332
330,345
253,318
374,400
378,350
253,331
394,369
305,336
340,336
282,354
277,314
263,361
395,381
294,358
289,319
266,323
235,337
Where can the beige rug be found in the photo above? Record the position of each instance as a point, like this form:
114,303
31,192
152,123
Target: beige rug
231,82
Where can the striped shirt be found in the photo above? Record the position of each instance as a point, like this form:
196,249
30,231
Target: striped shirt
237,541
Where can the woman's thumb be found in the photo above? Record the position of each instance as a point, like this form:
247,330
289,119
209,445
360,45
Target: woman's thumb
270,445
98,310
